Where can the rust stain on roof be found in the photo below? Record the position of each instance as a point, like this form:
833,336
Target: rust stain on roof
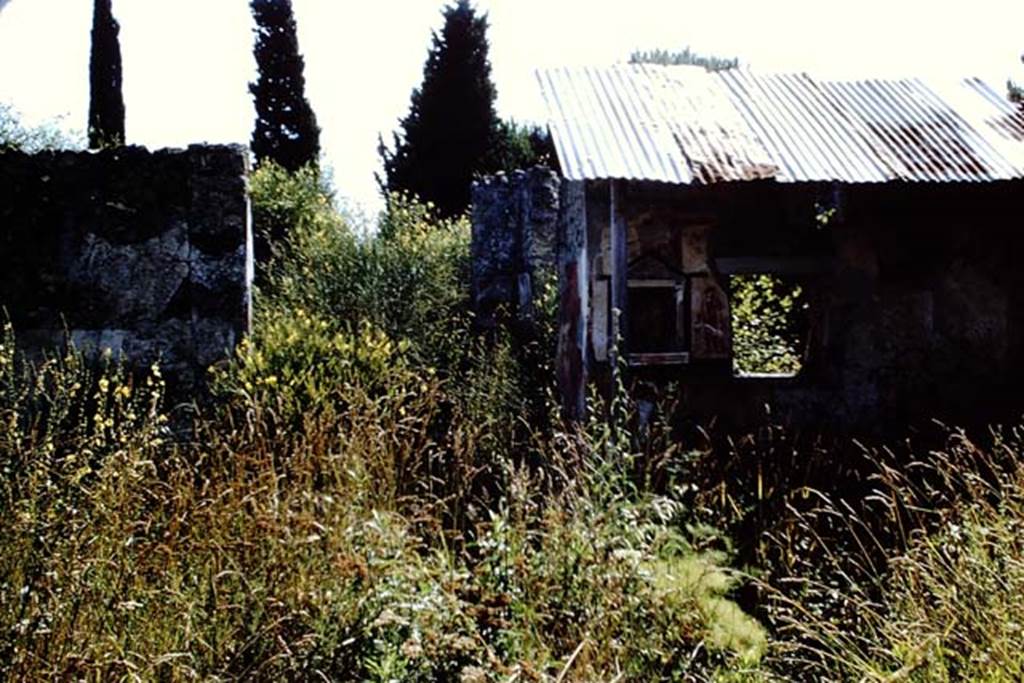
686,126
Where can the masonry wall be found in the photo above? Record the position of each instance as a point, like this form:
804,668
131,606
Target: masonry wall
513,247
919,315
927,303
148,254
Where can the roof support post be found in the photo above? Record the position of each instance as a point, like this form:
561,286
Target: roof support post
619,284
573,300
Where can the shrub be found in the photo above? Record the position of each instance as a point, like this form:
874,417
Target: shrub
14,135
765,313
284,202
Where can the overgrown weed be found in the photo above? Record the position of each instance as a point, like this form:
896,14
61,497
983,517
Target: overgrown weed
374,495
919,579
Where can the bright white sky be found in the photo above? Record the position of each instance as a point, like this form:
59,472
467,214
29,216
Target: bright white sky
187,62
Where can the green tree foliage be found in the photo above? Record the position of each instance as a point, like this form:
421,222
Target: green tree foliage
286,130
452,124
452,131
14,135
521,146
684,57
106,103
765,311
284,202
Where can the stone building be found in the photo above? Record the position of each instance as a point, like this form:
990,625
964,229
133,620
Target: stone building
896,205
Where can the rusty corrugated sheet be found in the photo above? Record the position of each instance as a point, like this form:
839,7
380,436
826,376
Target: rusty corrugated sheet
926,137
686,126
648,123
809,138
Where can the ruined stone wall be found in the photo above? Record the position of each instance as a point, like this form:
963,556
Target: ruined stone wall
515,221
921,316
916,294
926,303
148,254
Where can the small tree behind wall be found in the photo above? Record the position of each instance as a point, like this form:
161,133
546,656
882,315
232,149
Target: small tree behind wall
106,103
452,125
286,130
686,57
1016,91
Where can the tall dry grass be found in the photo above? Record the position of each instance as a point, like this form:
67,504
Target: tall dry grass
920,579
373,494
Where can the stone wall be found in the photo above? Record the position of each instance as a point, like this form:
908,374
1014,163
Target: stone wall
919,313
915,292
515,221
148,254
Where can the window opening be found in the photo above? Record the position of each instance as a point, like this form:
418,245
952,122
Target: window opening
657,303
769,324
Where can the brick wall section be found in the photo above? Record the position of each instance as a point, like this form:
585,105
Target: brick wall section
148,254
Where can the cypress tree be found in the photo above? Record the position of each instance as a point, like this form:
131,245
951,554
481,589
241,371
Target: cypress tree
286,130
106,104
452,124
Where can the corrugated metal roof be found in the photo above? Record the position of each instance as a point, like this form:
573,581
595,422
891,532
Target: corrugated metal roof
684,125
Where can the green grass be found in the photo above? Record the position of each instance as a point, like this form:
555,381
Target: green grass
375,493
921,580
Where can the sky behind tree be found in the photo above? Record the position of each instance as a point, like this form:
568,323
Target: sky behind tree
187,64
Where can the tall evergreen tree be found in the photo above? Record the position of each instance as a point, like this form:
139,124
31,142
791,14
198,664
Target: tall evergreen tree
452,124
286,131
106,104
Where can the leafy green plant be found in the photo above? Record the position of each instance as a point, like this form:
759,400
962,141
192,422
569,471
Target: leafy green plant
521,146
764,329
283,202
374,495
15,135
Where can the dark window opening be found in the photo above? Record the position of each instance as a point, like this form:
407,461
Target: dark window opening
657,298
656,317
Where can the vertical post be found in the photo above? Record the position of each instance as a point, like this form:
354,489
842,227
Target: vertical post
573,300
619,284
